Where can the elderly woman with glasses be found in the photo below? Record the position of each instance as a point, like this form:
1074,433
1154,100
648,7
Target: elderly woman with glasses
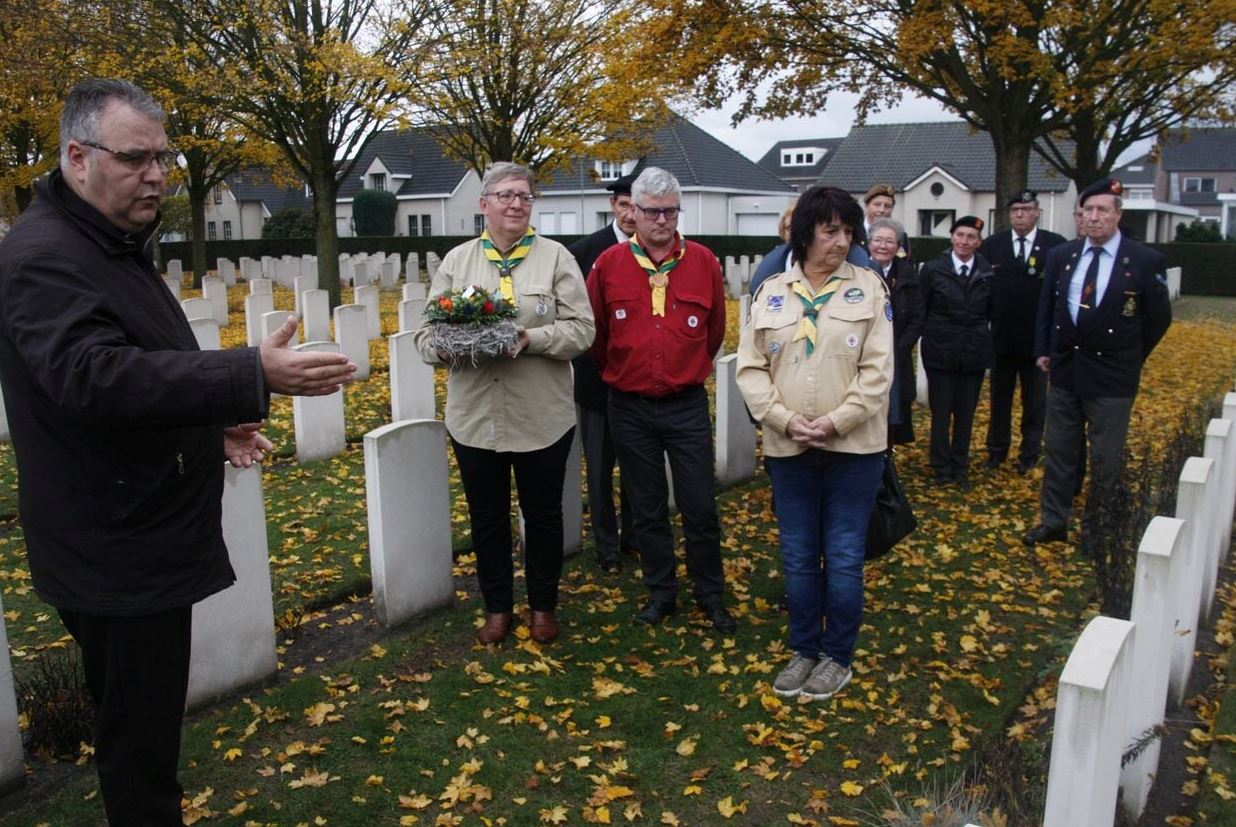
815,365
515,412
883,240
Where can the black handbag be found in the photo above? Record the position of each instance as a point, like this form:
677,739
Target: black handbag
892,518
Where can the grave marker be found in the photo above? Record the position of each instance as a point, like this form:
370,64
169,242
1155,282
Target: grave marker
351,332
318,420
315,308
370,297
735,449
256,306
412,388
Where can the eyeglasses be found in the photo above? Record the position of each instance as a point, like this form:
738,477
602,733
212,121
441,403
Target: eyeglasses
138,161
507,196
653,213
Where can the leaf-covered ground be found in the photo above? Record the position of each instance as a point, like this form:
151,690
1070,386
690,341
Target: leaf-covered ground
614,723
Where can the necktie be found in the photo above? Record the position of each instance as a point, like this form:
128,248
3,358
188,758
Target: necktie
965,272
1087,305
1021,250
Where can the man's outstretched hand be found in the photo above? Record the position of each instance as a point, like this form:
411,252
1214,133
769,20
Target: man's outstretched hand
244,445
301,373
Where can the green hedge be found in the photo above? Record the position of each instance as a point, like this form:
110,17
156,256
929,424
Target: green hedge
1207,269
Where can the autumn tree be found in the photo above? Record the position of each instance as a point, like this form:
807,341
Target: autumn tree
316,78
535,81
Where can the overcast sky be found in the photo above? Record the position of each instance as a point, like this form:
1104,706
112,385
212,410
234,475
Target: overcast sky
753,138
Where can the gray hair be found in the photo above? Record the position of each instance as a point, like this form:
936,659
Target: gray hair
504,170
656,182
80,119
885,224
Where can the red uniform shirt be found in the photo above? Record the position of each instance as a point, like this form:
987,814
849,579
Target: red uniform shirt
638,352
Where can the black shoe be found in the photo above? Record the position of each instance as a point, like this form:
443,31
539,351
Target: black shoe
654,612
1045,534
721,620
993,462
610,565
1025,466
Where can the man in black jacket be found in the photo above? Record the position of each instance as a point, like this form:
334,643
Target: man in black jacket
1017,256
1103,308
120,426
592,397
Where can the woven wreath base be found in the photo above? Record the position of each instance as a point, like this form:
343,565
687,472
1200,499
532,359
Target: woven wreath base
471,341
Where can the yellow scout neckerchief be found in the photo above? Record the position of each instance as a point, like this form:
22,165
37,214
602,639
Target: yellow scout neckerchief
506,264
658,277
811,307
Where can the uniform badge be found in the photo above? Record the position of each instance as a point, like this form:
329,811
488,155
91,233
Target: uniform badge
1030,265
1130,307
775,303
541,308
851,341
693,321
854,295
620,313
1160,278
901,253
888,310
774,348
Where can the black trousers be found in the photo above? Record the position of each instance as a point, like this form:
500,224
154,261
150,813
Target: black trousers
1103,423
1005,375
953,396
599,462
137,670
645,433
539,476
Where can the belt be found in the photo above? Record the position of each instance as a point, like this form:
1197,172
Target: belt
675,396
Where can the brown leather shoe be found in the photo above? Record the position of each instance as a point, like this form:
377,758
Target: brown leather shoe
497,627
544,627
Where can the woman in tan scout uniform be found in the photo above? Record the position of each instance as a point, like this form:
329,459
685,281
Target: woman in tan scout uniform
815,364
515,412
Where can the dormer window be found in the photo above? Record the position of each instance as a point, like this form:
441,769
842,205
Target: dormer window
377,181
613,170
805,157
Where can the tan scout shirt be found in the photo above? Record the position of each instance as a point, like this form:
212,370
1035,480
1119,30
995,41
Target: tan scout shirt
524,403
848,375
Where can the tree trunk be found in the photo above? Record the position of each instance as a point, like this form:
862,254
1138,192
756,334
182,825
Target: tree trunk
324,191
1086,162
197,207
1012,173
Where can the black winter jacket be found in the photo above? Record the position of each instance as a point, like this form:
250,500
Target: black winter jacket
956,331
115,415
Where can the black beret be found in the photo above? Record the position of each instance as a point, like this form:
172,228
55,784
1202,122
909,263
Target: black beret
1023,197
1104,186
967,221
622,186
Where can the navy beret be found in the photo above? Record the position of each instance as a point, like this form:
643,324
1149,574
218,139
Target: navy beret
622,186
1104,186
1023,197
967,221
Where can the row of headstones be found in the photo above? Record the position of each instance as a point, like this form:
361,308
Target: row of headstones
1122,676
384,269
738,272
355,269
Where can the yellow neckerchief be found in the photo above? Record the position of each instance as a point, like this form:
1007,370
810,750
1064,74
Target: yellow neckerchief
811,307
506,264
658,277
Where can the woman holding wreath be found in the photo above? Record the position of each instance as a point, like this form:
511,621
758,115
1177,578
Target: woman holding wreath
515,412
815,365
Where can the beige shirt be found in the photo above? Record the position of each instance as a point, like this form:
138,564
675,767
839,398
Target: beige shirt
524,403
848,375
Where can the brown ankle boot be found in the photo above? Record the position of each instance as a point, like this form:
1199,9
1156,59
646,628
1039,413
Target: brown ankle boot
497,627
544,627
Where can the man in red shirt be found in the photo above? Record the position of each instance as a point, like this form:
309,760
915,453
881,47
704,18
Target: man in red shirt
660,317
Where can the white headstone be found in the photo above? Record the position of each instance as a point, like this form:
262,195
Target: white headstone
12,768
250,269
256,306
260,285
410,313
198,309
1086,745
309,270
1226,434
735,431
227,271
268,267
1173,283
216,291
1194,505
315,310
352,334
920,376
234,630
206,331
431,264
299,285
1158,558
173,285
318,420
268,323
412,388
389,275
408,499
414,290
174,269
412,267
1218,435
370,297
360,273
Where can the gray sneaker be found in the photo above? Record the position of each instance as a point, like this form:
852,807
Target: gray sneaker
827,679
790,682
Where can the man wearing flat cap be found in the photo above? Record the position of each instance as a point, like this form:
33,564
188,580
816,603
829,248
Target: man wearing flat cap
592,397
1103,308
1018,256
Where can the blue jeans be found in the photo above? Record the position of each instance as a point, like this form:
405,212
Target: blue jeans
823,501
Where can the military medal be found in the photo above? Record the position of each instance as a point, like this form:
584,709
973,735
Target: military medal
1130,307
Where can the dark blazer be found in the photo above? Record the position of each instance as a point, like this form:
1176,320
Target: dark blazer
956,335
908,315
116,415
1103,358
1015,289
590,391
